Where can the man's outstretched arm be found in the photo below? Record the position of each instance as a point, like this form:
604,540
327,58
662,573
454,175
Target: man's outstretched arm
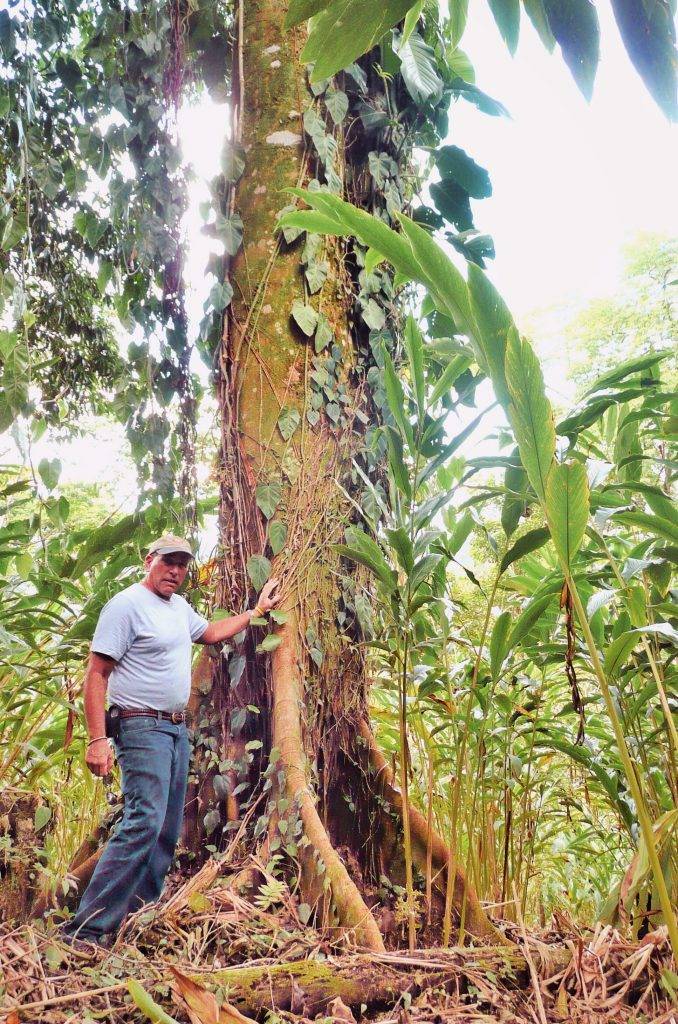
224,629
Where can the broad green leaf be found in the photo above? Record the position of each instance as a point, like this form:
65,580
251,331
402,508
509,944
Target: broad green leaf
453,162
396,399
625,369
458,14
617,654
402,545
507,16
269,643
336,102
515,481
372,260
460,533
345,29
268,497
277,535
411,20
530,412
413,252
457,365
460,65
311,221
419,69
437,271
288,421
323,333
452,202
147,1005
220,295
415,353
649,35
43,813
232,161
422,571
499,643
537,15
356,555
302,10
230,231
659,502
567,507
106,272
493,322
342,218
15,229
651,524
530,541
574,24
396,460
258,570
305,316
366,551
528,618
50,471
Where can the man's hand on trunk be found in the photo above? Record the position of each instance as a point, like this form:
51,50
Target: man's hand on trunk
268,598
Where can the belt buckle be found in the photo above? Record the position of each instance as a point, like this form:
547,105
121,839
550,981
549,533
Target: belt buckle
177,717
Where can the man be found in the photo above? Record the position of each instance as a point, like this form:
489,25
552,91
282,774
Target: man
141,653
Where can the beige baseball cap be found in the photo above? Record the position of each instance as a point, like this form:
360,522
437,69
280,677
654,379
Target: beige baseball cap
170,544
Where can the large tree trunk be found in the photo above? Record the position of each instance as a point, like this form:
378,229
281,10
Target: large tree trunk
311,694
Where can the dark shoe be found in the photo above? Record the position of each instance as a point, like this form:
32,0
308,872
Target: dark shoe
84,949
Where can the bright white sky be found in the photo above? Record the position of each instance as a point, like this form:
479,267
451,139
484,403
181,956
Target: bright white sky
572,182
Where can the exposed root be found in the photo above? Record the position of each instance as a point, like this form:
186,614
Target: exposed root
78,878
352,912
477,921
308,986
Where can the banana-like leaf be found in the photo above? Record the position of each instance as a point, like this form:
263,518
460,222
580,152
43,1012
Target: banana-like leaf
530,541
345,29
493,322
499,646
528,618
396,461
649,36
617,654
583,757
301,10
622,370
396,400
402,545
506,13
567,507
414,347
412,252
530,412
574,23
537,15
454,369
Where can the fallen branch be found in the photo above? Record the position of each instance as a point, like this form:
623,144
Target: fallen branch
373,979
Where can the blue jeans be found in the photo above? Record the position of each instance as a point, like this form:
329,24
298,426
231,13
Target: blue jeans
153,755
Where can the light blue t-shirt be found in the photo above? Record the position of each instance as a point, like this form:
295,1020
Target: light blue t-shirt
150,638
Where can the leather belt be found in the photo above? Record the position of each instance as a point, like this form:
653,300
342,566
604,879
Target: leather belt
170,716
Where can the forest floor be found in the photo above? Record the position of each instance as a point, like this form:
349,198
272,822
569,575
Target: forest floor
209,955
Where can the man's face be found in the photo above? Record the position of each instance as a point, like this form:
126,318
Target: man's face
166,573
